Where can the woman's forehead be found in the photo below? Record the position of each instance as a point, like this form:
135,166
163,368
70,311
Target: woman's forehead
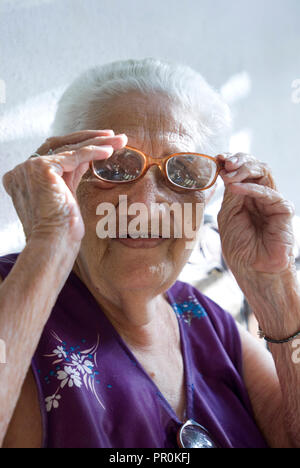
153,121
167,141
159,144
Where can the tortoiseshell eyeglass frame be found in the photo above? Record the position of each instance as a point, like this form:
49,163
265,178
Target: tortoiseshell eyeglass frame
162,164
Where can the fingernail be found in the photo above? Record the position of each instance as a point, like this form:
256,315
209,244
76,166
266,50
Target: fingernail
233,160
102,148
107,148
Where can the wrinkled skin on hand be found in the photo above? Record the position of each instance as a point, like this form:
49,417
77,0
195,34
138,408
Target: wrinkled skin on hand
43,189
255,221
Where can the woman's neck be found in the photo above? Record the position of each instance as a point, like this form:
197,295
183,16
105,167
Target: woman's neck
139,316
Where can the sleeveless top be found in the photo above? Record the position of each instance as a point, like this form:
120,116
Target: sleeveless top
94,393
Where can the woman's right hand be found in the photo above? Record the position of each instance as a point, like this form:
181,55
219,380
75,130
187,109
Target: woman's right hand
43,189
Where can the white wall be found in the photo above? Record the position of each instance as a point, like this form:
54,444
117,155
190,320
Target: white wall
248,48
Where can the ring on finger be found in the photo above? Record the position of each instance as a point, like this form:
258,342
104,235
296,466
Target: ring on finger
37,155
34,155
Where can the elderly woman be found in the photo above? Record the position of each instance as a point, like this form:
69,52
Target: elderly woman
104,347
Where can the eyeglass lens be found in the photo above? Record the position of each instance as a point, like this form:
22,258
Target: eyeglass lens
186,170
123,165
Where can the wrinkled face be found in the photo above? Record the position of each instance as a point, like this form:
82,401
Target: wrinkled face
158,128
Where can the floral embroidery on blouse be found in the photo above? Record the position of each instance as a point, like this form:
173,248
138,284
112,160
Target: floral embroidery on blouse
189,309
73,368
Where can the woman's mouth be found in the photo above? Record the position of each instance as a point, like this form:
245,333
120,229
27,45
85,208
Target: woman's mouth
141,242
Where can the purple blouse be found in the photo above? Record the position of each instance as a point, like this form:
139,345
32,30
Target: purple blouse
94,393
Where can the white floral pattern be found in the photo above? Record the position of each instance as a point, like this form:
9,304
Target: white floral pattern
82,364
59,351
74,369
52,401
69,376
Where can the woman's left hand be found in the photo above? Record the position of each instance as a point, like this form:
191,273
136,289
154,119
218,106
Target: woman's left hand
255,221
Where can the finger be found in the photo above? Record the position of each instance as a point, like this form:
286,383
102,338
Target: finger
250,171
235,160
256,169
77,137
223,156
68,161
72,138
117,142
239,160
243,173
266,195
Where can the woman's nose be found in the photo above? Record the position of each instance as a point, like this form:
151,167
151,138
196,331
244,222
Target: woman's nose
151,192
148,189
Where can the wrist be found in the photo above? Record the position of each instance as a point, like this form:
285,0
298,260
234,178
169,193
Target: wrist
56,241
51,252
275,301
70,229
256,283
38,276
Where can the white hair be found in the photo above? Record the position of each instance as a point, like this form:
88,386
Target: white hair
82,105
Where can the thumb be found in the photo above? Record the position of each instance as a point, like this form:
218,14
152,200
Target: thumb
232,202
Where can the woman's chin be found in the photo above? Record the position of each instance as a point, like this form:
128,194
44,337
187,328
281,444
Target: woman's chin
143,276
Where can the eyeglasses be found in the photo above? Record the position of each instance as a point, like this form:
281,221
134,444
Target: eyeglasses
193,435
188,171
